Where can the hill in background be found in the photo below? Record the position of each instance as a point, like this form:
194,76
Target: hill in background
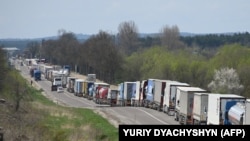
21,43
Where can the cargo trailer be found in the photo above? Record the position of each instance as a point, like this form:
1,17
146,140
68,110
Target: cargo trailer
219,106
184,104
200,108
169,99
78,87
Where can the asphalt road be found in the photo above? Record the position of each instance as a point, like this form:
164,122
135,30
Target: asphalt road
116,115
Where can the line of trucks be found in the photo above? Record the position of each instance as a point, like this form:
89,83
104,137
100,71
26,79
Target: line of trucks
187,104
56,74
59,76
99,92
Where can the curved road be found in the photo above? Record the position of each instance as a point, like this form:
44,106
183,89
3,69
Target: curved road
116,115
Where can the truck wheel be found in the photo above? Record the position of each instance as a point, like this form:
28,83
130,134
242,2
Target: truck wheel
176,117
168,111
158,108
194,122
163,109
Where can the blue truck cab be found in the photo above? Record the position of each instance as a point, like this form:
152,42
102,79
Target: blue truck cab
37,75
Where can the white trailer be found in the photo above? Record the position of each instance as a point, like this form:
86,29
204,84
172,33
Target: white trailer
158,93
128,93
78,87
170,96
45,68
135,100
247,114
219,106
184,104
49,75
112,96
200,108
57,81
120,96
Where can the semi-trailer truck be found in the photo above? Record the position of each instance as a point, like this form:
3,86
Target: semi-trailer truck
169,99
184,104
219,106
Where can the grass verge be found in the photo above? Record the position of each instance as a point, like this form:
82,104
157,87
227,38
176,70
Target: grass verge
61,123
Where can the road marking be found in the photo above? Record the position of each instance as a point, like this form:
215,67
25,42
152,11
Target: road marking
151,115
77,98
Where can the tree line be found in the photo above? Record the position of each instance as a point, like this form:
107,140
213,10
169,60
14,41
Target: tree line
217,40
128,57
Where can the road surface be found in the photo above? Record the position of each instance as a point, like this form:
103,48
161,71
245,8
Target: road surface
115,115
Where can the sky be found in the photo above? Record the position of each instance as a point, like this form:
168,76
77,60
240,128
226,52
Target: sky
44,18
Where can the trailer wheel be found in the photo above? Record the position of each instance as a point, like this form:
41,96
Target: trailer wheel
133,103
163,109
168,111
158,108
176,117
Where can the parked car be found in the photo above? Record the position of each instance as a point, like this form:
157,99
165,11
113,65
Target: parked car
60,89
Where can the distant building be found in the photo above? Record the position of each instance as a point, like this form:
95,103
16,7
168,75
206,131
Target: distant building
10,51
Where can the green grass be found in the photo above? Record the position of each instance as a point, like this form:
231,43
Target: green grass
68,124
43,120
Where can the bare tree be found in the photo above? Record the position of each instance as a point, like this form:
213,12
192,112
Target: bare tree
60,51
170,37
128,37
48,49
67,47
226,80
33,49
101,56
60,32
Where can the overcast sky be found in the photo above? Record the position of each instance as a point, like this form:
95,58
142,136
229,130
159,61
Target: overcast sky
42,18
